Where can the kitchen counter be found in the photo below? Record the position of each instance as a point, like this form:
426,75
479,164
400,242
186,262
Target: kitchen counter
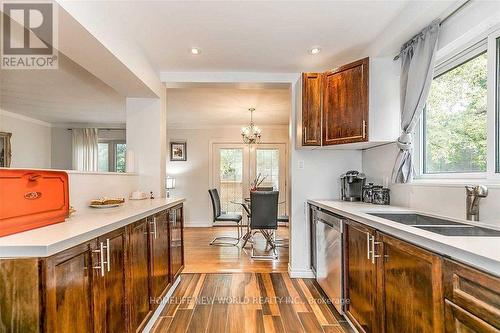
82,226
480,252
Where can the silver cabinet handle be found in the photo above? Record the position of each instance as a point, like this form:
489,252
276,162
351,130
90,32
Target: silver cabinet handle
368,246
100,265
108,255
153,223
374,255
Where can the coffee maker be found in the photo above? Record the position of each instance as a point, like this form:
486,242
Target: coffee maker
351,185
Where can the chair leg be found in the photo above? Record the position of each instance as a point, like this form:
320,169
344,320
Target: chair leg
227,240
269,238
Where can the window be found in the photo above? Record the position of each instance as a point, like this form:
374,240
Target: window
112,156
455,117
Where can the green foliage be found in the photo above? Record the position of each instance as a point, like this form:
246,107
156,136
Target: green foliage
455,118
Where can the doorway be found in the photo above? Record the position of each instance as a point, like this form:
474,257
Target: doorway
236,166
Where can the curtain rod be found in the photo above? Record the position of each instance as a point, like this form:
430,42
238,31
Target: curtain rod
104,129
446,18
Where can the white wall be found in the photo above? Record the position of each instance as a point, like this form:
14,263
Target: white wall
146,138
84,187
31,140
192,176
443,198
62,149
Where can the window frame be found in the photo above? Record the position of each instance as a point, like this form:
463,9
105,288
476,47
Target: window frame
112,153
447,61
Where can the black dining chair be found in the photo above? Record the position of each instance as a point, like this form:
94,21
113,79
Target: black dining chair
220,216
265,188
264,220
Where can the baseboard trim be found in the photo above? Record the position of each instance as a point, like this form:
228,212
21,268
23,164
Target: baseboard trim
300,273
197,224
161,306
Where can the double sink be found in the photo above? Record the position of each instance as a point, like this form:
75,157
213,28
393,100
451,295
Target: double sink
438,226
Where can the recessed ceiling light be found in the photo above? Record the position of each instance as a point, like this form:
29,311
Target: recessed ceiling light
195,51
314,50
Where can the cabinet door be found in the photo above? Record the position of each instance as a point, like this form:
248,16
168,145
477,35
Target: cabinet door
176,242
361,278
460,321
68,290
159,253
311,109
139,274
345,104
413,291
109,304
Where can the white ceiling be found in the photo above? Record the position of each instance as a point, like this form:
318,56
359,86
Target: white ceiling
69,94
210,106
254,36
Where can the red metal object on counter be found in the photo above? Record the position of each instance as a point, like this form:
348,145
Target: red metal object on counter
31,199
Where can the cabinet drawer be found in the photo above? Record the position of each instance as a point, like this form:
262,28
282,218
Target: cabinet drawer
473,291
460,321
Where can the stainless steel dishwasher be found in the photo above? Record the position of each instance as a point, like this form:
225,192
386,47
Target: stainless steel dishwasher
329,256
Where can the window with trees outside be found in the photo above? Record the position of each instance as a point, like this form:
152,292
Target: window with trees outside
112,156
454,122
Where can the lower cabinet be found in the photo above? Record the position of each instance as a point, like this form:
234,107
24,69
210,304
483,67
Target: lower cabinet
109,284
110,311
472,301
361,278
159,253
139,275
391,286
69,290
412,290
176,241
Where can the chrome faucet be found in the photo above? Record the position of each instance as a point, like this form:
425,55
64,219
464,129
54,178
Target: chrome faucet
474,194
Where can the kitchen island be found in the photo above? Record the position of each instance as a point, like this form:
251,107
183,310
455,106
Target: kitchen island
102,270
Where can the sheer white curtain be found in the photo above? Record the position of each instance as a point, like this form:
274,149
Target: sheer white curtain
85,149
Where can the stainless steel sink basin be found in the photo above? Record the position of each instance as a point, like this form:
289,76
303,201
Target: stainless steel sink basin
439,226
416,219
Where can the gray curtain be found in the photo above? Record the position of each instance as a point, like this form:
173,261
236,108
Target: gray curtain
417,68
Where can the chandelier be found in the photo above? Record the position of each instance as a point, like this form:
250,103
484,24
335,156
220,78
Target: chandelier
251,134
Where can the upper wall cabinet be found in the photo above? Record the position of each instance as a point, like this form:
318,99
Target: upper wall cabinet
353,106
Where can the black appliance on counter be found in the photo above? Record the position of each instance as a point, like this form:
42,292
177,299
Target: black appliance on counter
351,184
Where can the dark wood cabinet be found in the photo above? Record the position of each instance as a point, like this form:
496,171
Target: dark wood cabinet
311,108
472,299
139,291
112,283
110,309
176,241
160,253
335,105
345,104
69,289
412,290
360,278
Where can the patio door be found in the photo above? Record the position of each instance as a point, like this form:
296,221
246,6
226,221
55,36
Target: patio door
235,166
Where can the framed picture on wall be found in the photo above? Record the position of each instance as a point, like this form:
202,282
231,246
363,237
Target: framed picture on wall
178,151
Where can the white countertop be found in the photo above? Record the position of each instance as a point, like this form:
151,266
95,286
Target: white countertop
480,252
82,226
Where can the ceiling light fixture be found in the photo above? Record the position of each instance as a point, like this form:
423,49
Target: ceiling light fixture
251,134
314,50
195,51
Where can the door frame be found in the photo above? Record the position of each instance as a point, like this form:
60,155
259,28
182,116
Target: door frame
286,146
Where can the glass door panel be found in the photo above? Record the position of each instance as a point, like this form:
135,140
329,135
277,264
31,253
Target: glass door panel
231,178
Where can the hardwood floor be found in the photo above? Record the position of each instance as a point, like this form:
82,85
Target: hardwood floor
201,257
248,302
